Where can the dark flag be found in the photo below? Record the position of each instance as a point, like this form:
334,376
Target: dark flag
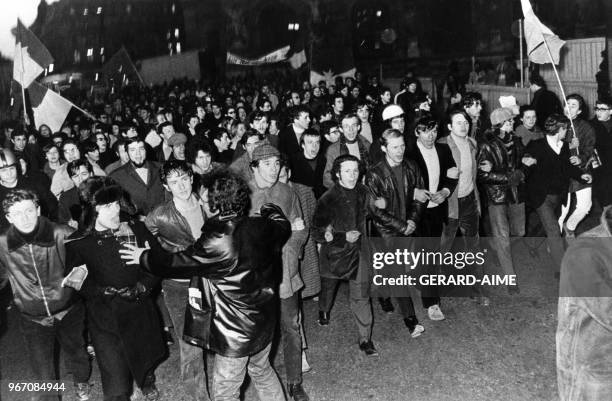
120,70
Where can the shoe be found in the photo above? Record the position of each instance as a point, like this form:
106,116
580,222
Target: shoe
484,301
435,313
514,289
168,336
91,351
323,318
151,393
569,234
297,393
368,348
305,365
386,305
82,391
414,327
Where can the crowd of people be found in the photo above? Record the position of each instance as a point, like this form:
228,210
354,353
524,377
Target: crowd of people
242,199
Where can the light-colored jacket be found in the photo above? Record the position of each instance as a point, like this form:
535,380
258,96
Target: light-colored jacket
584,331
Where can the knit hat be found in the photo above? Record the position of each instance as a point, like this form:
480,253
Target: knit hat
499,115
265,151
177,139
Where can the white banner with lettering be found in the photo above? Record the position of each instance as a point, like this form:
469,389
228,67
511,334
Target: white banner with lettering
270,58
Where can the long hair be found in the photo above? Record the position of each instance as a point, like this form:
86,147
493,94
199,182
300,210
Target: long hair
99,191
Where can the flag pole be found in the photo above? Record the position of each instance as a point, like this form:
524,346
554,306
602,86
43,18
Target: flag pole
25,110
521,51
552,62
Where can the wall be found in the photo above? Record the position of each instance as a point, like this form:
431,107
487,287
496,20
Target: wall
156,70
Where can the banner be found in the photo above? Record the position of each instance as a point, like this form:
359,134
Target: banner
270,58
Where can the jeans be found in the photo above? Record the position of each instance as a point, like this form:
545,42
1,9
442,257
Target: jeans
360,306
193,370
583,205
291,337
547,213
430,226
467,222
40,344
229,375
506,220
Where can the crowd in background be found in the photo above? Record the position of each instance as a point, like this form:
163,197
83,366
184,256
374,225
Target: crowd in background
343,162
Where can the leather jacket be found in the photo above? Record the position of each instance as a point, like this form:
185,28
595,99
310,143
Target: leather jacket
382,184
504,183
241,257
36,269
170,227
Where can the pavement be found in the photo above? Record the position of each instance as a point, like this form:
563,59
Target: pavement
505,351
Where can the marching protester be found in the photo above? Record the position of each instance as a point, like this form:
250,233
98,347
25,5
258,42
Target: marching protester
241,258
33,260
122,316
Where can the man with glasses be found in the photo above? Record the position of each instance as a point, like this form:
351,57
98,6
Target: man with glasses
440,176
602,168
350,143
500,176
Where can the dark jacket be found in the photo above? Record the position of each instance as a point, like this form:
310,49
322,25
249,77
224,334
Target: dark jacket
118,300
445,158
69,206
144,196
586,138
288,142
36,270
545,103
342,210
170,227
602,191
382,184
339,148
242,260
551,173
503,184
302,172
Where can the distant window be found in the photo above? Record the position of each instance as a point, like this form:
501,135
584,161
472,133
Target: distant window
90,52
176,33
178,47
173,8
51,67
85,11
77,56
99,11
128,8
101,51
